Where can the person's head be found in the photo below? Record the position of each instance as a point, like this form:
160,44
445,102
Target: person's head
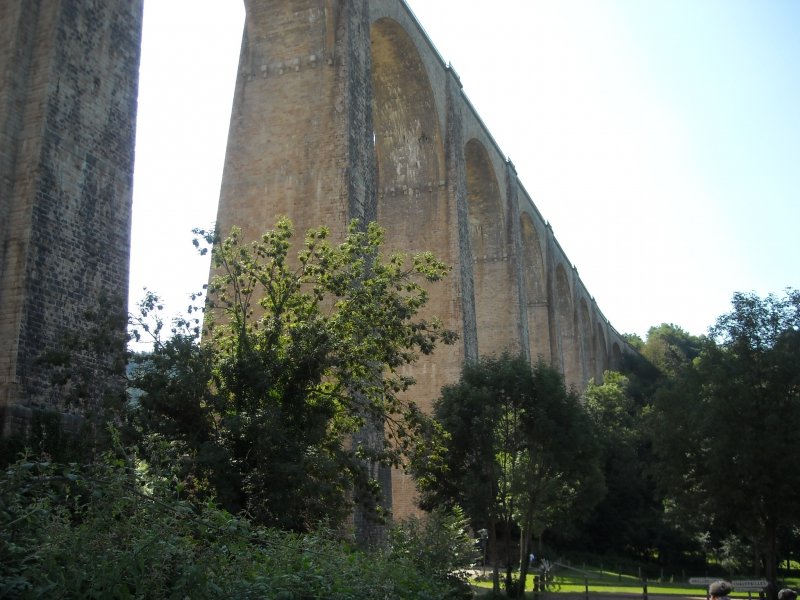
787,594
720,589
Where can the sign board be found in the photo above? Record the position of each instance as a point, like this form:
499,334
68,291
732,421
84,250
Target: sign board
749,585
739,585
702,580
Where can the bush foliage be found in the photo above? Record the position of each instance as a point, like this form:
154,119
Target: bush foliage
296,395
117,529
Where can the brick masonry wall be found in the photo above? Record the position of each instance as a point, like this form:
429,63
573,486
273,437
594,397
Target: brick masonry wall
344,109
69,72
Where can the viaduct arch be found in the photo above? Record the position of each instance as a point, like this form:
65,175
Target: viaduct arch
344,109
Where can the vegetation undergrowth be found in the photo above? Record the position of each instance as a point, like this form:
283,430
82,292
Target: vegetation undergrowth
115,529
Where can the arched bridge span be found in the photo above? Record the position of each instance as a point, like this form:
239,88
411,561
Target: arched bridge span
342,109
345,109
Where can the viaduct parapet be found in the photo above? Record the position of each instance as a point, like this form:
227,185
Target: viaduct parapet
68,91
344,109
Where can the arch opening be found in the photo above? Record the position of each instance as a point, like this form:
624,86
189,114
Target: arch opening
412,201
495,304
586,343
408,143
534,280
567,355
601,352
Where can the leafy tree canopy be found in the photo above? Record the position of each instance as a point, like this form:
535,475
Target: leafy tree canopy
627,520
518,450
300,354
725,430
670,348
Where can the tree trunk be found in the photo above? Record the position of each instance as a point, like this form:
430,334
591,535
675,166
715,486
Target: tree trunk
771,560
525,545
493,555
522,548
524,560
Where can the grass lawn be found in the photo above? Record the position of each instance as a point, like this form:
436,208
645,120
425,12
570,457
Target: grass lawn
568,584
609,582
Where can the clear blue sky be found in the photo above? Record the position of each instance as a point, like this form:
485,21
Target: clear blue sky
661,139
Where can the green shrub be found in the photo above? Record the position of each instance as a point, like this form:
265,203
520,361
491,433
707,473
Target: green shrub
116,530
438,545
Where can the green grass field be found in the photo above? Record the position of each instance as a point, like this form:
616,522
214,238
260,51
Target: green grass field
631,586
609,582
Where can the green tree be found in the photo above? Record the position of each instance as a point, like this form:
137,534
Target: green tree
670,348
438,544
519,451
623,521
557,479
462,470
657,361
727,426
299,357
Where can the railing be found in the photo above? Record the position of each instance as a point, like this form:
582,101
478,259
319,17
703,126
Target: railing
582,584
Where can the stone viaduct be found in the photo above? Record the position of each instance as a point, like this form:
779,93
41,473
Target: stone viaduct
342,109
345,109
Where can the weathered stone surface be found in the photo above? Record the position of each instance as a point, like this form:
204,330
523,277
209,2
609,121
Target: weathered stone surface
68,92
